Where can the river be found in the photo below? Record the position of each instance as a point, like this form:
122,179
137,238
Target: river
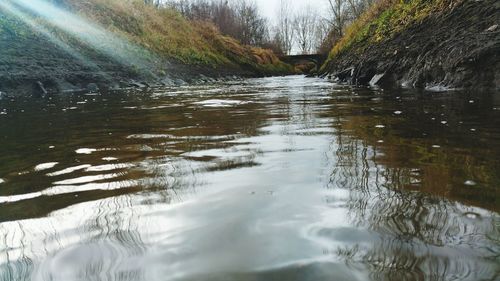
285,178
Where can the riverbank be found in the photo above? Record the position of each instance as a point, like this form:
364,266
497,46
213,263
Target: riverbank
75,45
437,45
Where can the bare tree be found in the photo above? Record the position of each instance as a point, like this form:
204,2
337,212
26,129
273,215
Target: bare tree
339,15
252,27
321,36
354,7
305,24
284,30
239,19
224,17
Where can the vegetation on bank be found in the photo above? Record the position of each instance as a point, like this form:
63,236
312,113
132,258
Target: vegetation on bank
166,32
163,31
384,19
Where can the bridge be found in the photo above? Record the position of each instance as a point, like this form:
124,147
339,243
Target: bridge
317,59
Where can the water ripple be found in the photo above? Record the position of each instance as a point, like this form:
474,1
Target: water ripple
282,178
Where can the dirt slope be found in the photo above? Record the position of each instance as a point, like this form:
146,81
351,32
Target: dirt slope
73,45
454,47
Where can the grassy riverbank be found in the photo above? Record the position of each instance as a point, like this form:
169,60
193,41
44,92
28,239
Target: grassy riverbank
167,33
385,19
419,43
73,43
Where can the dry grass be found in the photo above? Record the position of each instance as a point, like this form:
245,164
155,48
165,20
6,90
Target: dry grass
260,59
163,31
167,33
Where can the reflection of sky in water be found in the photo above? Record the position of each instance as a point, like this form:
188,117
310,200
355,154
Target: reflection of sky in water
291,183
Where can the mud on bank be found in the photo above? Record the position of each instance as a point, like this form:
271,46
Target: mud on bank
458,47
36,66
115,44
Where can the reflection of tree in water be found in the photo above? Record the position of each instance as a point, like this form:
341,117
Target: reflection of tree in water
21,267
108,237
414,236
117,223
101,239
95,238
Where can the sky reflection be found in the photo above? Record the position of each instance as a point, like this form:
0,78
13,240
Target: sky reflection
292,184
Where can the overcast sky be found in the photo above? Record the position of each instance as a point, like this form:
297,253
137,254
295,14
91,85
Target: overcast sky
269,7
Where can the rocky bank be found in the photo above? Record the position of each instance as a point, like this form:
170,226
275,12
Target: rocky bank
453,48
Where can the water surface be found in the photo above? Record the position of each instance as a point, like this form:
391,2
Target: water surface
263,179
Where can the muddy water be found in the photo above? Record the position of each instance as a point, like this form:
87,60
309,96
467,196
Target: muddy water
264,179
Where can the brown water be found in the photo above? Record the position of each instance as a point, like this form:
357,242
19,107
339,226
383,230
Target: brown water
264,179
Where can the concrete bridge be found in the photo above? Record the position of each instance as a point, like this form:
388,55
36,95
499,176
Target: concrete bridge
317,59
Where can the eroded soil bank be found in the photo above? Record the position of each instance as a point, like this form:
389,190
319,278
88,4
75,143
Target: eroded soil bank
34,65
70,45
455,48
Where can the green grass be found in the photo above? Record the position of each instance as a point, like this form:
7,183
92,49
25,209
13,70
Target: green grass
168,34
163,32
383,20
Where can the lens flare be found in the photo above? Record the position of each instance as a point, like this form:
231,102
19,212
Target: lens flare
26,19
44,17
